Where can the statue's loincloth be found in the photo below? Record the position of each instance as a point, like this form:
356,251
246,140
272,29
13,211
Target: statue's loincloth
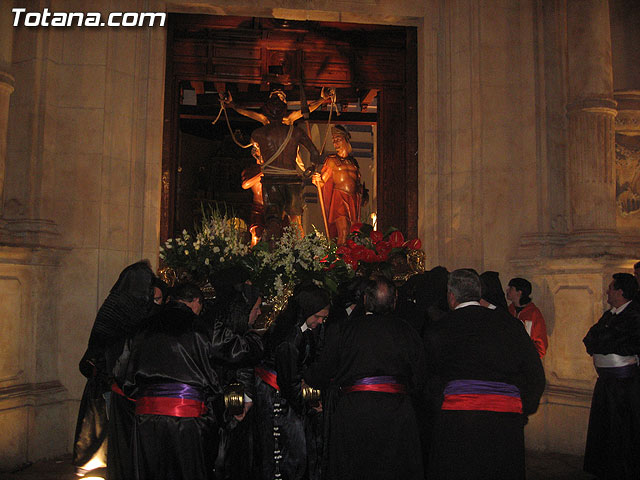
282,195
344,204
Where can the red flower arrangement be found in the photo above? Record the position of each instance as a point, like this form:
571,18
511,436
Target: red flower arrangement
368,246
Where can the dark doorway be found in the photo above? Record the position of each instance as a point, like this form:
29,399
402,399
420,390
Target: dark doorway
372,68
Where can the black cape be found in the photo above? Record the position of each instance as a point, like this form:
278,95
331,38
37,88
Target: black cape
176,346
236,451
299,426
373,435
119,316
476,343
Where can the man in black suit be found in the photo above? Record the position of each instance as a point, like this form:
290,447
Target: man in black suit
613,438
489,377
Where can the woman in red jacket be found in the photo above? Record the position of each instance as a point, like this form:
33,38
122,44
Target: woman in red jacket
518,293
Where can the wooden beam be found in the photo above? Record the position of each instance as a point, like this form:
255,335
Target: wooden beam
368,96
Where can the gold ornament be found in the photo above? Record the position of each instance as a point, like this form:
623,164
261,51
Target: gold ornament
311,395
234,399
168,275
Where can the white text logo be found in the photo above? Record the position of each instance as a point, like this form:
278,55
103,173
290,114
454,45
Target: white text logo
89,19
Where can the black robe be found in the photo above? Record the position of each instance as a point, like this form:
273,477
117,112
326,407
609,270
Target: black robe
329,334
613,439
299,426
374,435
476,343
236,450
119,316
176,346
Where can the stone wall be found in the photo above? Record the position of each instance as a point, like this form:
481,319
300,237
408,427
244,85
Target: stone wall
82,189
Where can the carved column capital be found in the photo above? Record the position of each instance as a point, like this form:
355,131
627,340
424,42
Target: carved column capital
628,118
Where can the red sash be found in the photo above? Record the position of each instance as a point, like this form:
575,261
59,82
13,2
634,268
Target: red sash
487,402
482,395
268,376
170,406
116,389
377,387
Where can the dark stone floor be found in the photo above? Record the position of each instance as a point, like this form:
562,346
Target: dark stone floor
540,466
555,466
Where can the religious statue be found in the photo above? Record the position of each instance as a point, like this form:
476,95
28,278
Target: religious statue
290,118
341,188
276,149
252,179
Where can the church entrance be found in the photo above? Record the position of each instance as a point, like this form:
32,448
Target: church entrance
371,68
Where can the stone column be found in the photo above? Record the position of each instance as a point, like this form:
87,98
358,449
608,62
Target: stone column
591,111
6,88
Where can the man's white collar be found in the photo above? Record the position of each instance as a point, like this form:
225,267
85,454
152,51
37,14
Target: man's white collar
467,304
618,310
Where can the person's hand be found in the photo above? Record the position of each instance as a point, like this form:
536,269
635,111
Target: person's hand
247,406
318,408
327,94
228,99
316,179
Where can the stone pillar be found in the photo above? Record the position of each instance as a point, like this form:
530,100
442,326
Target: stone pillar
591,111
6,88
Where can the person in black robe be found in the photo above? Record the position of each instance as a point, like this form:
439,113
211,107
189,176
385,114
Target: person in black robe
492,291
347,305
490,378
170,370
289,428
613,440
422,300
129,302
377,362
236,450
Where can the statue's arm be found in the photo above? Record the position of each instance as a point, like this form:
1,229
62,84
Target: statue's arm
327,169
259,117
297,115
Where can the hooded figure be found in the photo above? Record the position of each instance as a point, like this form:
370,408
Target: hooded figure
236,432
129,302
492,291
289,428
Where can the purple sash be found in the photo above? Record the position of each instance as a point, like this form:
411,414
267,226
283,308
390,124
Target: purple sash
173,390
478,395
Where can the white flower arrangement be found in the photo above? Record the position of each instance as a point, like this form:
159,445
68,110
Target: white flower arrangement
216,244
275,267
293,259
